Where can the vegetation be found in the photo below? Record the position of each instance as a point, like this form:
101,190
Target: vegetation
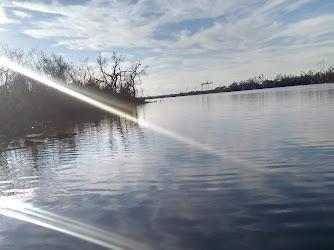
25,102
261,82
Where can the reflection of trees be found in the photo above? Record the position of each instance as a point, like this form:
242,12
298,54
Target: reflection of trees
40,160
5,174
126,132
20,161
15,164
206,102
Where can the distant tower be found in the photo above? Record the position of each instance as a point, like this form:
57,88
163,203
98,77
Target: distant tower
321,65
207,83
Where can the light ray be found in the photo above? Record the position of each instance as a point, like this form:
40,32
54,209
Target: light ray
77,229
15,209
112,110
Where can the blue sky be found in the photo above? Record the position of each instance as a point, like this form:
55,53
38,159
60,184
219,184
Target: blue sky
183,42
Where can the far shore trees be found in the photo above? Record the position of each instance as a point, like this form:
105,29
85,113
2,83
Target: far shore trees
260,82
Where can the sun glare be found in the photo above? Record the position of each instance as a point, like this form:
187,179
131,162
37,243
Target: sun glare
13,208
18,210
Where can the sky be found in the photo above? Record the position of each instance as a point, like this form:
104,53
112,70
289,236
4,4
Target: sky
184,43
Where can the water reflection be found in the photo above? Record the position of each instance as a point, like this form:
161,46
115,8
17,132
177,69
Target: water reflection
124,178
23,165
206,102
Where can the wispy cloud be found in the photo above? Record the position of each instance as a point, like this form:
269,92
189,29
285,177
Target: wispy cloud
21,14
231,40
3,17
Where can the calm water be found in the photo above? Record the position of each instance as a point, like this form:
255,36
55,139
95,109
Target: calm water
269,186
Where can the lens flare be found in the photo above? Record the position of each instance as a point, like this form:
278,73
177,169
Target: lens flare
13,208
116,111
24,212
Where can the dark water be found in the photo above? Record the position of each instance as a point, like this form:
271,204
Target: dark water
270,186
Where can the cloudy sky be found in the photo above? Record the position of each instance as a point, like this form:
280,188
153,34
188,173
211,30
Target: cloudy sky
183,42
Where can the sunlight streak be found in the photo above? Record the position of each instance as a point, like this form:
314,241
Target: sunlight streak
13,208
112,110
24,212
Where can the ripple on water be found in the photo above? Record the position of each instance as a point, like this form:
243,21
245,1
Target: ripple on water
267,186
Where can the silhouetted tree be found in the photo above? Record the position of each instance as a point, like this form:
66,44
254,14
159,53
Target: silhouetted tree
23,100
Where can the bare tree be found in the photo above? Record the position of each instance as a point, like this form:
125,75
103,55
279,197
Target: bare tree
110,74
133,77
53,66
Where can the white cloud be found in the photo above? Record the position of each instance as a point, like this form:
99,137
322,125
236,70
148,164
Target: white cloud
121,24
247,38
3,18
297,4
98,25
311,29
92,26
21,14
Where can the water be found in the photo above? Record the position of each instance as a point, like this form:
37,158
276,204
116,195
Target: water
267,184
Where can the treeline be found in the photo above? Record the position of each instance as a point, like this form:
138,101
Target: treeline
310,77
24,101
305,78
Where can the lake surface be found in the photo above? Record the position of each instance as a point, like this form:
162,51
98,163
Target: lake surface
266,180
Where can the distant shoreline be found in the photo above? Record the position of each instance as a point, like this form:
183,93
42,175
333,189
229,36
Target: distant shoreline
309,78
193,93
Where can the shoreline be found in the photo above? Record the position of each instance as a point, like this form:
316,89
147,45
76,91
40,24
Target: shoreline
214,91
261,82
